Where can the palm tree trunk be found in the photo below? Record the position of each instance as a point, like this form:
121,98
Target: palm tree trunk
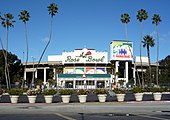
127,40
8,77
6,60
26,35
46,44
157,69
26,44
148,51
126,31
141,54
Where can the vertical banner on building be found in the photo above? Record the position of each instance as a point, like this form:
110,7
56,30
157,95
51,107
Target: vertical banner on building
121,50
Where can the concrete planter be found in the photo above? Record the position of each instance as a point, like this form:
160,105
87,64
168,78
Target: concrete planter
82,98
14,98
157,96
102,97
65,98
138,96
48,98
120,97
32,99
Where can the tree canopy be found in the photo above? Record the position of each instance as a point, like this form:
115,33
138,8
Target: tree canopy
15,67
165,71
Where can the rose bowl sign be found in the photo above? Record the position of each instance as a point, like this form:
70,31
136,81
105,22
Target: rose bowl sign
121,50
85,56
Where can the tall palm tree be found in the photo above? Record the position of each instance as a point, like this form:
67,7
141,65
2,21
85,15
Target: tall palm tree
125,19
7,22
52,10
24,17
142,15
156,19
148,41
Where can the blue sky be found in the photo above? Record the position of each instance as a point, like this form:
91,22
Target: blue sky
83,23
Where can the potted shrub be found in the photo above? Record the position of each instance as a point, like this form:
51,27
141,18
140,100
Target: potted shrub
32,95
101,93
138,93
148,91
165,90
120,94
65,95
14,94
48,95
157,93
82,95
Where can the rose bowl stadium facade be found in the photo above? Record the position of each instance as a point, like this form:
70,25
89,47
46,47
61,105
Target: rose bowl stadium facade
89,69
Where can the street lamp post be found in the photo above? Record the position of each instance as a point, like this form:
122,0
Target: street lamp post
32,83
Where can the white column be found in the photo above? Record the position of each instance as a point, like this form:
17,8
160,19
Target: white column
57,80
134,75
35,73
45,75
74,84
64,84
105,84
25,74
95,84
117,69
126,67
54,71
85,85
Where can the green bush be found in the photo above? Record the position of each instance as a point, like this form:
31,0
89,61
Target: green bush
101,91
119,91
66,92
166,89
138,89
156,89
49,92
15,91
82,92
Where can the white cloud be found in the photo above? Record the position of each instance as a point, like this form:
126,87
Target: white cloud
45,39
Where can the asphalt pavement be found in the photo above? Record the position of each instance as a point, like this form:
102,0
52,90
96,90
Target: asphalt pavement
145,110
